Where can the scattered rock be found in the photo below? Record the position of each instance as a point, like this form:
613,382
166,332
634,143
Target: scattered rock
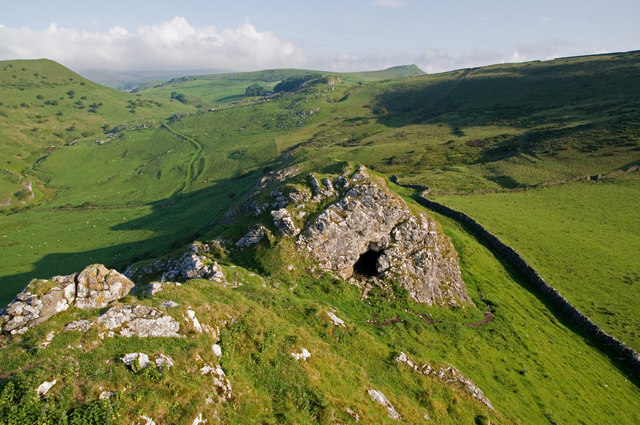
153,288
304,354
449,375
47,339
380,398
217,350
163,362
44,388
105,395
130,358
97,286
220,380
283,222
169,304
335,319
147,420
354,415
252,237
82,325
198,420
139,320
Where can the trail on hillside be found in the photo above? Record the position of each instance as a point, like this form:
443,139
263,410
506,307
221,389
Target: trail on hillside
191,172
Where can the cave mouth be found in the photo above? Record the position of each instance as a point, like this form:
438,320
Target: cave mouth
367,264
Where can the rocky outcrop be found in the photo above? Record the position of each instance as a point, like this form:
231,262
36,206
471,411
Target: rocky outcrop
97,286
370,232
284,223
139,320
381,399
94,287
449,375
252,237
193,264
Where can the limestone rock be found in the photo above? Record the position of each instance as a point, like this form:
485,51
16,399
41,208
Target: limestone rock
97,286
139,320
369,225
193,265
335,319
449,375
304,354
217,350
147,420
130,358
39,301
252,237
380,398
81,325
198,420
163,362
94,287
283,222
44,388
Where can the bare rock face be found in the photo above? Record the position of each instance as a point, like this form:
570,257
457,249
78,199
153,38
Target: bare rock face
97,286
94,287
139,320
372,233
282,220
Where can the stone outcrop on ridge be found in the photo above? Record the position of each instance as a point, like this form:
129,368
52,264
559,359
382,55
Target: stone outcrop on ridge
94,287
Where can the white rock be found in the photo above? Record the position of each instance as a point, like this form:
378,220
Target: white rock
44,388
198,420
169,304
130,358
148,420
217,350
81,325
104,395
335,319
163,362
47,339
380,398
191,316
304,354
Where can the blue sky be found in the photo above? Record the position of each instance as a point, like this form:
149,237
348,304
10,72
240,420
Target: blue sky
345,35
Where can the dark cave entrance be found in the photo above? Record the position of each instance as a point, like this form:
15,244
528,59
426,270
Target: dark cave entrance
367,264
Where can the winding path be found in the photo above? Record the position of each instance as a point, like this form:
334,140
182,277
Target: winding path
191,167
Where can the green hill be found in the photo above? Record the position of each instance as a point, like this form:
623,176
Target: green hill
44,106
211,163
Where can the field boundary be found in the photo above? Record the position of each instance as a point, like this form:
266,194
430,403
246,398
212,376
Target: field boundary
610,343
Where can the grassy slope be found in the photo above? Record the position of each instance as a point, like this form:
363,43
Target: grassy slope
45,105
516,360
496,127
583,237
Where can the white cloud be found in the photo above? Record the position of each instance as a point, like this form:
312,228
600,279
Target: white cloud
390,3
171,45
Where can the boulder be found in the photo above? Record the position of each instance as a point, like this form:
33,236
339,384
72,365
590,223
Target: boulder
97,286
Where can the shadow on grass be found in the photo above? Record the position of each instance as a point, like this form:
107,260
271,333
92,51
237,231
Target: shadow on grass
188,216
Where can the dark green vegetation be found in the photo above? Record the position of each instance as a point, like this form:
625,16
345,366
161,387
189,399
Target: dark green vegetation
149,190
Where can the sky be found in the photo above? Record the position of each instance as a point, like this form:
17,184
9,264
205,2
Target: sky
331,35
